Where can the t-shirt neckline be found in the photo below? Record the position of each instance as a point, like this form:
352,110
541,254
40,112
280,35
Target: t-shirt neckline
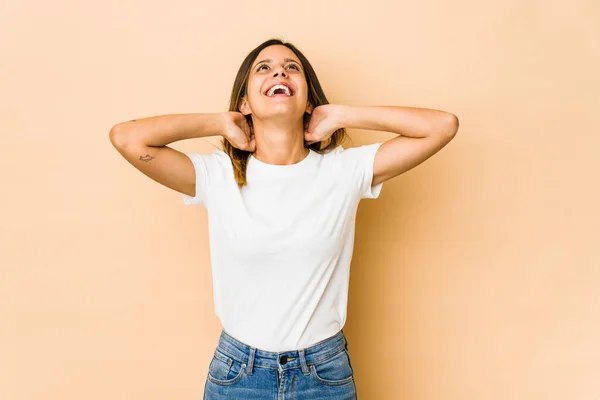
260,170
300,163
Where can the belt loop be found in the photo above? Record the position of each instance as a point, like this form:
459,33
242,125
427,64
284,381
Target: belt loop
250,361
303,362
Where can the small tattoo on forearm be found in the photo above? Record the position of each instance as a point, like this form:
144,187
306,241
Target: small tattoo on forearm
146,158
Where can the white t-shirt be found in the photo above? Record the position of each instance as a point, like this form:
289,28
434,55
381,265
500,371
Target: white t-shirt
281,247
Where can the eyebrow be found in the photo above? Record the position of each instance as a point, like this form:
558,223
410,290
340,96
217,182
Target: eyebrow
270,61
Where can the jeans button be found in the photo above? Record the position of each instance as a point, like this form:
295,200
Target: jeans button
283,360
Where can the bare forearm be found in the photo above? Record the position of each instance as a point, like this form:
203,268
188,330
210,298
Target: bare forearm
164,129
405,121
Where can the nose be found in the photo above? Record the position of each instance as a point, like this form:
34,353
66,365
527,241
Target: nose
280,71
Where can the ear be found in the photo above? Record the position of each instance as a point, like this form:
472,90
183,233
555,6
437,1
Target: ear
244,107
309,108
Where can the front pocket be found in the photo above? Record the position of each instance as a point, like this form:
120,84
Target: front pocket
334,371
224,370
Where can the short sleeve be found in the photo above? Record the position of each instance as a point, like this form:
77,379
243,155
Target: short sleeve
359,162
208,169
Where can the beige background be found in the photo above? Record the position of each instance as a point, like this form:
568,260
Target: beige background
476,275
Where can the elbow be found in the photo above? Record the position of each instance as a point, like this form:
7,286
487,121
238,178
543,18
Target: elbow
117,136
450,125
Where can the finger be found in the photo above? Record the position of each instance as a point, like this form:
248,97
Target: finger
310,126
310,139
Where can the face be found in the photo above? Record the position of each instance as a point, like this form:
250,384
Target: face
276,85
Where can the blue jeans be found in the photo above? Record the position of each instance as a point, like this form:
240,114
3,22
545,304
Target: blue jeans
320,372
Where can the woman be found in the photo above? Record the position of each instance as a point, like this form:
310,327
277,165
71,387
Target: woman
281,200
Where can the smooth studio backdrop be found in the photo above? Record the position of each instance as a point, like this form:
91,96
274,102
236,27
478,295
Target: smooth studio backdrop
475,275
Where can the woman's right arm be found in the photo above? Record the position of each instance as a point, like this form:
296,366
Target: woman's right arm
143,143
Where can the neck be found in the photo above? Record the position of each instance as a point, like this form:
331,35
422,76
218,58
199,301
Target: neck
279,142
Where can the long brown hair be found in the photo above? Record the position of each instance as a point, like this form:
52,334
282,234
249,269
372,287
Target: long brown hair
316,97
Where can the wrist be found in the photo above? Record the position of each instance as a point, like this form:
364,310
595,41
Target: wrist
342,116
224,120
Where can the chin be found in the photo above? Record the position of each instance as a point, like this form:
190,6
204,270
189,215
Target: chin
280,111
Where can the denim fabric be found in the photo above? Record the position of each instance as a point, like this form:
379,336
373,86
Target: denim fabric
320,372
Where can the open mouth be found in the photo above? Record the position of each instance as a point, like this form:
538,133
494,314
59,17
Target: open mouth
279,89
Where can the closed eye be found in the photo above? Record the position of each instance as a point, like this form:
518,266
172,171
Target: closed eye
262,66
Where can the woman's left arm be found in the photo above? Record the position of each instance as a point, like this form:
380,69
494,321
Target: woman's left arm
422,133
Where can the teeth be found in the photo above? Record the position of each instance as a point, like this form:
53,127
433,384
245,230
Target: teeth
274,88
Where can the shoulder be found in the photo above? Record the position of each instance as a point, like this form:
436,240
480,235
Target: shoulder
215,159
356,164
352,155
214,166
